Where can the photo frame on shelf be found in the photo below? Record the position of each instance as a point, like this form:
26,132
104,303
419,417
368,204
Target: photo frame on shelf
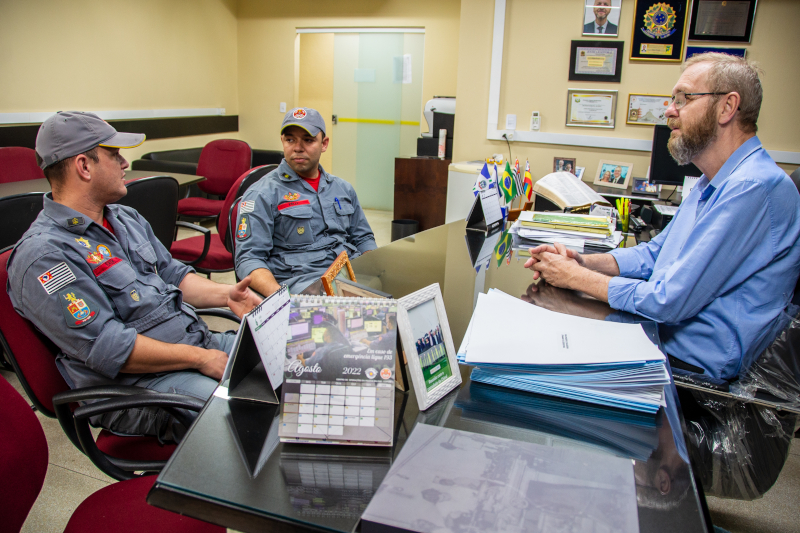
591,108
596,60
564,164
658,30
642,186
614,174
601,18
428,345
722,21
647,109
341,262
579,172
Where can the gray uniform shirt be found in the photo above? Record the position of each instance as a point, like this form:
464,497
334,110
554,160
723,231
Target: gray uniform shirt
91,291
296,232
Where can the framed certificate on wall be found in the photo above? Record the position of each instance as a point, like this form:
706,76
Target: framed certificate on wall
596,60
589,108
730,21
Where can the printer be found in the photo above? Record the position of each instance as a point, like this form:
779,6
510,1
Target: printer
440,114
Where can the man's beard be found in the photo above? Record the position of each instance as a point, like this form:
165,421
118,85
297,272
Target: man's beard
694,138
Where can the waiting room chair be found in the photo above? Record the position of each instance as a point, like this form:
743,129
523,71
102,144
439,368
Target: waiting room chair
208,253
32,357
23,465
18,163
156,199
221,162
17,213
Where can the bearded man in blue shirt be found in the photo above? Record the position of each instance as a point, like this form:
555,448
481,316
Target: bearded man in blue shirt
719,275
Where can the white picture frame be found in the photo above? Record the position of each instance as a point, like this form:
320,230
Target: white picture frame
418,316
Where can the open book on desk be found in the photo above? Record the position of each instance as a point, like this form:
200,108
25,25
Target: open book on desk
568,192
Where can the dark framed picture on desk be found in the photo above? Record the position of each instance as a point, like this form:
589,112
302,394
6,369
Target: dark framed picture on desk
642,186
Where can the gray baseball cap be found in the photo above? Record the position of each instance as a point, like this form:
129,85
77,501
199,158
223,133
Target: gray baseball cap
306,118
69,133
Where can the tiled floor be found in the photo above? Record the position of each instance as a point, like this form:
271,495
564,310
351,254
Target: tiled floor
71,477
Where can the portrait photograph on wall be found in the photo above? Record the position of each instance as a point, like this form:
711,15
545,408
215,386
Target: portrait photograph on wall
601,17
614,174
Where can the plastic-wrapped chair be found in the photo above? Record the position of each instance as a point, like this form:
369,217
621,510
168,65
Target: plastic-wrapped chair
118,507
739,433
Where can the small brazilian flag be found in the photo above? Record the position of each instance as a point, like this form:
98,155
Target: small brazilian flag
508,184
502,248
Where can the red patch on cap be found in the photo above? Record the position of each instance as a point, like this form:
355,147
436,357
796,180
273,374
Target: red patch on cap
286,205
299,114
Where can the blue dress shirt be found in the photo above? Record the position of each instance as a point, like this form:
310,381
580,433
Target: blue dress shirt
719,275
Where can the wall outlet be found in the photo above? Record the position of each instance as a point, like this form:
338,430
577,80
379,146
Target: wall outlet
509,135
535,121
283,107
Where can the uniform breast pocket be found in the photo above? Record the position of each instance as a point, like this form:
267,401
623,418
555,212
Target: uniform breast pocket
118,280
146,257
344,209
294,226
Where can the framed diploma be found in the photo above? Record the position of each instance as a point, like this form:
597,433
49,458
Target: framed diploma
722,21
647,109
658,30
591,108
596,61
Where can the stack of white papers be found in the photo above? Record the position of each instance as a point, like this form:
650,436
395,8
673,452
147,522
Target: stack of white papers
524,238
518,345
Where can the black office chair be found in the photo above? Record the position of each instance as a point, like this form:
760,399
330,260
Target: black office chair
17,213
156,199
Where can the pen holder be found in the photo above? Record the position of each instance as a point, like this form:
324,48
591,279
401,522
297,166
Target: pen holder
625,222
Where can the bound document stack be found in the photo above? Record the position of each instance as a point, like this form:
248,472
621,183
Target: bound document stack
601,362
582,233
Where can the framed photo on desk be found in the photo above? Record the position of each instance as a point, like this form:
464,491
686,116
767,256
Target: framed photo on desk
428,345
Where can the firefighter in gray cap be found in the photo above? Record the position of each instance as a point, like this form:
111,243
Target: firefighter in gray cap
94,279
295,221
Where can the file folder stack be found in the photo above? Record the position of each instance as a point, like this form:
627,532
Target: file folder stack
520,346
583,233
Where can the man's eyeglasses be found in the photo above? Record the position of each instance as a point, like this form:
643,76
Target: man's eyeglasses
679,99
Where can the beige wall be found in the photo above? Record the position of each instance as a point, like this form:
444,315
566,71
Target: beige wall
535,77
267,35
120,55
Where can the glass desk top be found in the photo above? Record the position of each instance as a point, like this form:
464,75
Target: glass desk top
232,470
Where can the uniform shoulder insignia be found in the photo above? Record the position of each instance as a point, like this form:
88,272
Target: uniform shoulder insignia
77,309
243,229
247,206
56,278
75,221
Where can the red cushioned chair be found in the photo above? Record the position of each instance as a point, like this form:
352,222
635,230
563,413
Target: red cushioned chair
210,252
221,162
23,459
18,164
32,357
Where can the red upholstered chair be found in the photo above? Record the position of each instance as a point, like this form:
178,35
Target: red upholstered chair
32,357
209,252
23,464
221,162
18,164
